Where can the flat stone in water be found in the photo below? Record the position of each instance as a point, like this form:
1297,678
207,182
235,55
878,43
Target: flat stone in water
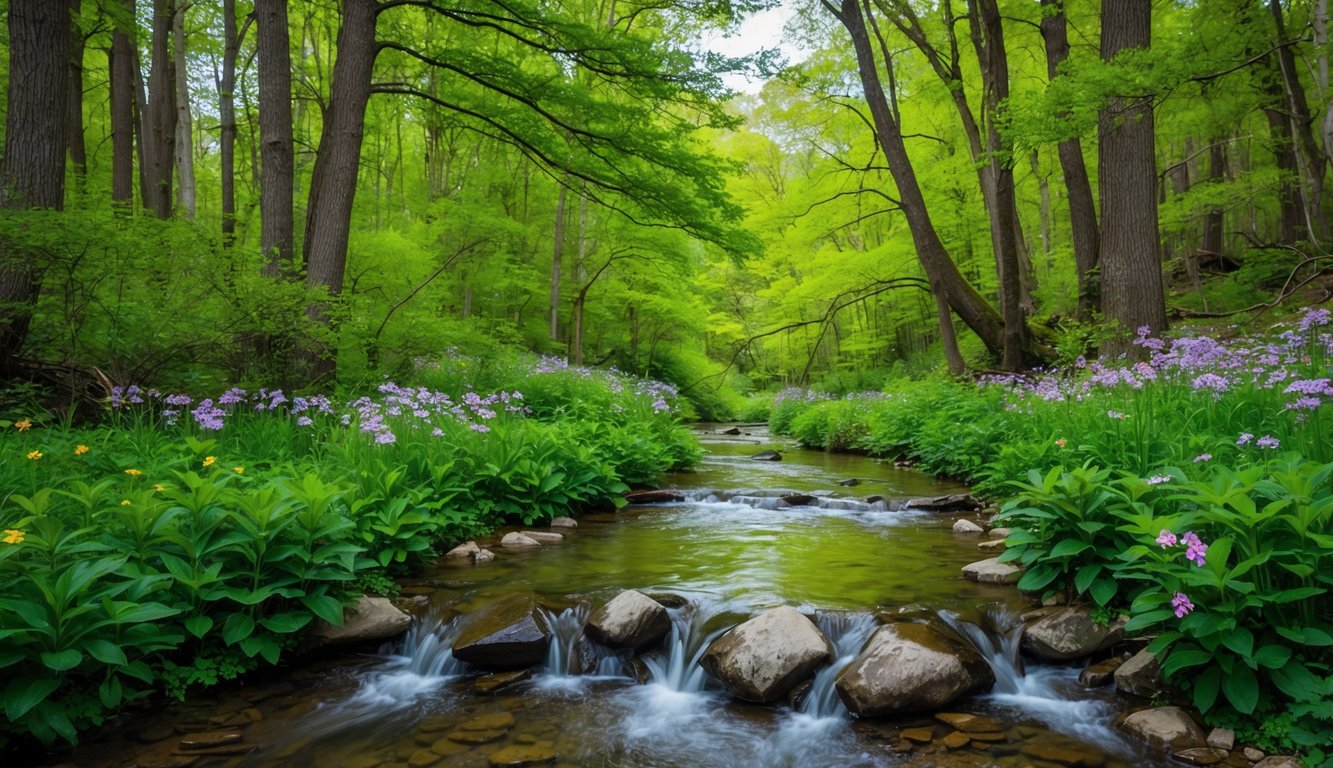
1065,753
209,739
992,571
1201,756
922,735
476,737
968,723
500,680
991,736
494,721
447,748
956,740
363,761
422,758
1099,674
528,754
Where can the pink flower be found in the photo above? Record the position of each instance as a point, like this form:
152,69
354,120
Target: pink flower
1194,548
1166,539
1182,604
1061,443
1203,457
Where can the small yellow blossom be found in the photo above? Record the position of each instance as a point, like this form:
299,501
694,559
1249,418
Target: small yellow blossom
238,470
124,502
159,487
208,460
80,449
23,425
34,455
134,472
13,536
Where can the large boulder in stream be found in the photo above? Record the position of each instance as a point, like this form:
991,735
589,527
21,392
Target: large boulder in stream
372,618
911,668
654,496
762,659
1070,633
510,633
630,620
767,456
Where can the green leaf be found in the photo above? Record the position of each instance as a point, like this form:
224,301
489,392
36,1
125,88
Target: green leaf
325,607
1206,687
106,652
1069,548
286,623
1145,620
1037,578
198,625
237,627
1242,689
1085,575
1241,641
111,692
1272,656
25,693
1184,657
62,660
1103,590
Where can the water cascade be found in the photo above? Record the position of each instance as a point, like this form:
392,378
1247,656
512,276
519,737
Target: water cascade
848,632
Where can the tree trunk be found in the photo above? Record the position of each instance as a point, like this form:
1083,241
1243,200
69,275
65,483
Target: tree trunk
1082,211
121,64
161,107
276,153
231,46
1213,221
186,192
32,172
1308,155
78,153
557,254
333,179
1131,270
941,272
988,34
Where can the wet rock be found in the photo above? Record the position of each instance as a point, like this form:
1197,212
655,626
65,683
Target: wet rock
493,721
767,456
1000,533
545,537
372,618
733,431
1222,738
1141,675
849,483
1165,727
465,551
875,499
508,634
1279,761
992,571
1252,754
209,739
522,755
910,668
919,735
448,748
483,557
765,657
476,737
967,528
500,680
968,723
630,620
364,761
796,696
227,750
516,540
1064,752
956,740
798,499
422,758
564,522
953,502
991,545
989,736
1099,674
1069,633
1200,755
669,600
660,496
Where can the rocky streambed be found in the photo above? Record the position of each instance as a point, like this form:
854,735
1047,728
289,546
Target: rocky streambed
797,612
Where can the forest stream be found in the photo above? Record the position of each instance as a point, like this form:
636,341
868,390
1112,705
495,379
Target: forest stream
727,552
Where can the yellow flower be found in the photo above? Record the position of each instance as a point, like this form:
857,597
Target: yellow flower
23,425
34,455
80,449
159,487
134,472
13,536
208,460
238,470
124,502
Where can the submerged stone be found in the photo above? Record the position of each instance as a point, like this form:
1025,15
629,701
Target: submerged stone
762,659
522,755
564,522
767,456
516,540
655,496
966,527
992,571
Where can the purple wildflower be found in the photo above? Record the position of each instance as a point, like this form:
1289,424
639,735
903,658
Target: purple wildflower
1117,415
1244,439
1268,441
1203,457
1166,539
1182,604
1159,479
1195,550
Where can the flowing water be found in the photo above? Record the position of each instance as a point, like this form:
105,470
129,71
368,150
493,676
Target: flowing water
843,555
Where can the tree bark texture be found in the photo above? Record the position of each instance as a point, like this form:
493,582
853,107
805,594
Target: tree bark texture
160,127
78,152
231,46
276,154
1308,155
32,172
557,255
184,156
1082,210
1131,270
333,178
121,64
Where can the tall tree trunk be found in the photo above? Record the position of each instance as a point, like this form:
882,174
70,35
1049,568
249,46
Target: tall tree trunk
231,47
1082,211
988,34
276,182
557,254
941,272
32,172
121,64
78,153
1131,269
1308,156
1212,241
186,191
161,113
143,130
333,179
